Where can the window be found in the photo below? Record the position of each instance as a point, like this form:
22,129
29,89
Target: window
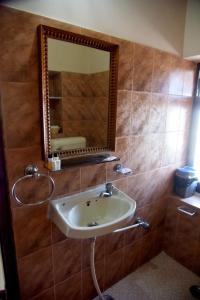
194,154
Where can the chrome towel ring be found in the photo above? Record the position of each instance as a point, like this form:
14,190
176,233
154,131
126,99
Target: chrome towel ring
31,171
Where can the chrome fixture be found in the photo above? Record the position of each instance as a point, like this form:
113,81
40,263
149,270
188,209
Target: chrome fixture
139,223
31,171
122,170
108,192
187,210
142,223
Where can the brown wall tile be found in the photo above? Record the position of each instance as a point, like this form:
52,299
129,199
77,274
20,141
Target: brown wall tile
114,267
113,242
21,98
17,159
140,110
57,235
64,183
143,68
138,153
150,247
122,149
125,74
132,257
152,133
69,289
83,95
123,113
93,175
35,273
161,72
19,46
66,259
122,184
32,229
158,113
46,295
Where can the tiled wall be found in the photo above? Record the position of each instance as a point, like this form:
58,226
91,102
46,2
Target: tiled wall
182,233
82,109
85,106
153,117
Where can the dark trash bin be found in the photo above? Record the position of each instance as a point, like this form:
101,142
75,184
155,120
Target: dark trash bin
185,182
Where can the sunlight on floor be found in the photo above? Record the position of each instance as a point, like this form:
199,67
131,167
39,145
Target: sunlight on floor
162,278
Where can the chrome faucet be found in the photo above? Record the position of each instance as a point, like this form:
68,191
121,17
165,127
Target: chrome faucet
108,192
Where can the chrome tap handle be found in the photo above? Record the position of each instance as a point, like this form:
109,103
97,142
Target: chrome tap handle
142,223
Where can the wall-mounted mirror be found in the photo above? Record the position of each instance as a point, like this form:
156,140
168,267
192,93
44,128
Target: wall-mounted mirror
79,90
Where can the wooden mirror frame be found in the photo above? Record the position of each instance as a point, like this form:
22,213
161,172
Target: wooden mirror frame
46,32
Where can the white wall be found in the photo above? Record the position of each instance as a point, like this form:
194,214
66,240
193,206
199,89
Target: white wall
63,56
192,31
156,23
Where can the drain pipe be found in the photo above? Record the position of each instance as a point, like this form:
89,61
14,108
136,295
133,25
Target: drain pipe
139,223
93,272
92,266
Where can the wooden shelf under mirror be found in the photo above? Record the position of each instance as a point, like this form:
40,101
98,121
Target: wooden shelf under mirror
78,91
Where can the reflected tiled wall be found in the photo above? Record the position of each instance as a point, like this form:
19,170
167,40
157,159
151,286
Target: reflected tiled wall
153,117
85,106
82,109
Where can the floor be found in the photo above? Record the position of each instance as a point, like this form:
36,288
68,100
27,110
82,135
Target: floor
162,278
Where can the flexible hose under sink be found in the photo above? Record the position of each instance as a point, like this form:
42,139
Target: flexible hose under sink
93,272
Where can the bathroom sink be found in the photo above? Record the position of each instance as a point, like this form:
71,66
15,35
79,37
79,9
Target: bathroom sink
86,214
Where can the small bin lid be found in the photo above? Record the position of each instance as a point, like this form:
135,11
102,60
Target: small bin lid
186,172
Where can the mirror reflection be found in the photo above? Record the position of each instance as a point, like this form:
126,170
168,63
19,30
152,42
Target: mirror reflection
78,95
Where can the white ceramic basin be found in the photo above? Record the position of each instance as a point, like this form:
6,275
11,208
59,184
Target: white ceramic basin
86,215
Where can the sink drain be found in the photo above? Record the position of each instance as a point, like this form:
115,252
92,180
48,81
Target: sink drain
91,224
